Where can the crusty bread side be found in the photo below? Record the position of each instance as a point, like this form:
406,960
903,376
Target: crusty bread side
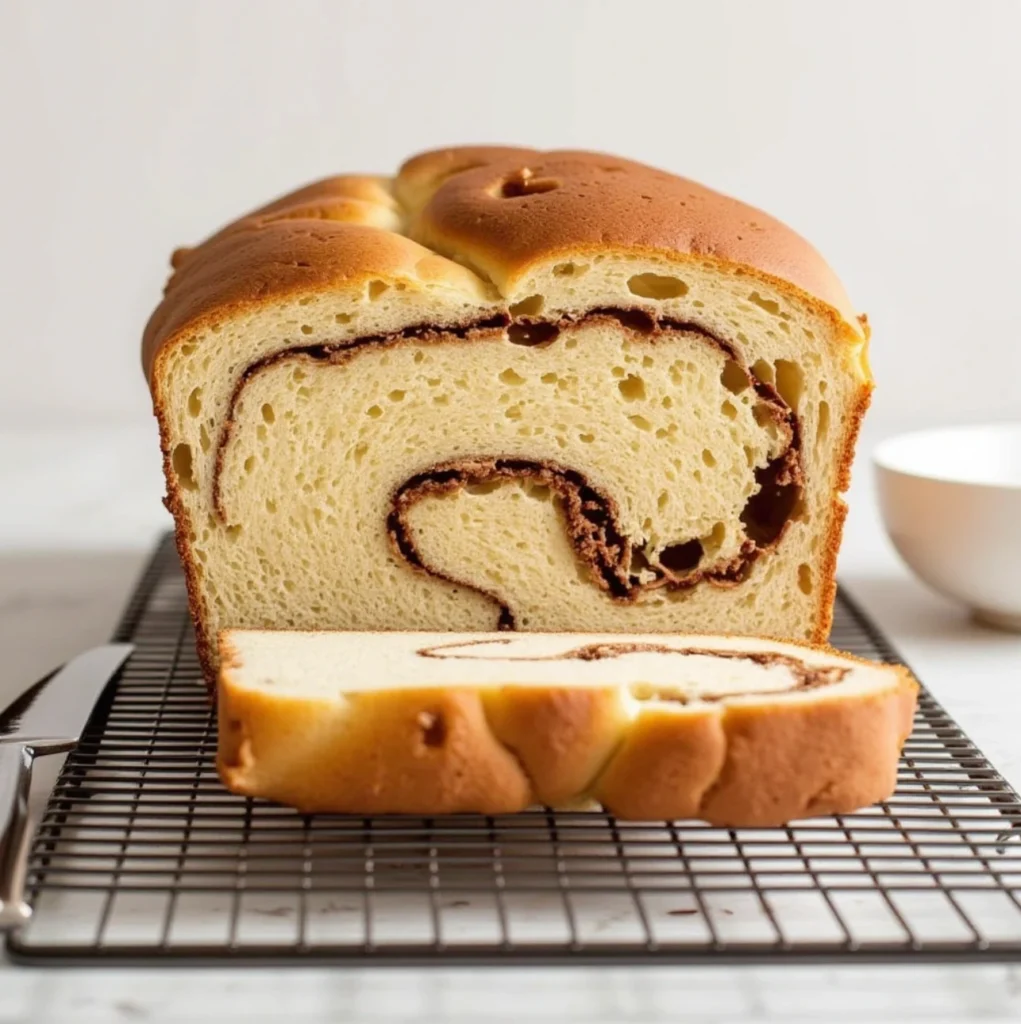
524,326
442,723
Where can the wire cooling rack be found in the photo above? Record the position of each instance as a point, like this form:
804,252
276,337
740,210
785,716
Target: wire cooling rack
143,856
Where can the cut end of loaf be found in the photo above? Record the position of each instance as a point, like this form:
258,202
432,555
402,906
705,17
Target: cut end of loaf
736,731
507,390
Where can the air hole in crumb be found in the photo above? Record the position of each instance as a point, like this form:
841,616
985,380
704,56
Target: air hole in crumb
641,422
531,306
712,543
549,378
374,411
510,376
656,286
377,288
343,318
667,402
434,730
708,458
569,269
663,500
532,335
586,438
805,578
306,328
768,510
233,532
640,321
767,304
729,410
824,422
734,377
181,461
632,388
790,382
484,487
195,403
764,371
513,412
396,395
250,464
618,371
359,452
679,558
271,506
267,413
204,441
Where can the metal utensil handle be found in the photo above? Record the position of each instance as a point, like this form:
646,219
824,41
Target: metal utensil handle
15,779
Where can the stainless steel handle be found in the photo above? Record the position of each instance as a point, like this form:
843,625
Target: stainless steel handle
15,780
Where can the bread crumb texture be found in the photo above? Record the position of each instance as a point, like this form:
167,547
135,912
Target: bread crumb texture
507,389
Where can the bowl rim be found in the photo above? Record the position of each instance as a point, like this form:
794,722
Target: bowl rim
881,454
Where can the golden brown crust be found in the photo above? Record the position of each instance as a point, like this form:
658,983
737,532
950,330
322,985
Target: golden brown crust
372,754
561,737
760,762
521,208
349,229
752,765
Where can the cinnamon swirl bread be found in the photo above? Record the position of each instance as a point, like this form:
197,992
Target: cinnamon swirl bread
507,389
737,731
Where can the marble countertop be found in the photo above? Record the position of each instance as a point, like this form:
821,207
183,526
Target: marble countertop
80,515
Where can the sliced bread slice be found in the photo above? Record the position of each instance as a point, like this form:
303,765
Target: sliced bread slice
733,730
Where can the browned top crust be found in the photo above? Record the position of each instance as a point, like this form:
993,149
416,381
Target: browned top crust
477,218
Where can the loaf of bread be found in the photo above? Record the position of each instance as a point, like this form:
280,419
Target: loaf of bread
507,390
736,731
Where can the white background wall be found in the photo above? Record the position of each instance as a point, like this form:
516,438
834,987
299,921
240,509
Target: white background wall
885,131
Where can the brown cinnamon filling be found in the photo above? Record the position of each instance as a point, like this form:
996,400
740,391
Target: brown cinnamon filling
590,515
805,677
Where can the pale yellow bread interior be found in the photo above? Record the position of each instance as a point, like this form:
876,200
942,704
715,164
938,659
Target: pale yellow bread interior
312,361
677,671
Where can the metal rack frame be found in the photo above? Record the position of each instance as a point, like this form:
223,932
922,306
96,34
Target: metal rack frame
143,857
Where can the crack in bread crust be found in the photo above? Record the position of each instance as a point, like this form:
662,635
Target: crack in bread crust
806,677
591,516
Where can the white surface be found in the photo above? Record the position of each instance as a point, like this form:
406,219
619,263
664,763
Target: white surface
887,133
951,503
56,601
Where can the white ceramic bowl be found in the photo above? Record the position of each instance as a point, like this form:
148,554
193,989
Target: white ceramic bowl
951,502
